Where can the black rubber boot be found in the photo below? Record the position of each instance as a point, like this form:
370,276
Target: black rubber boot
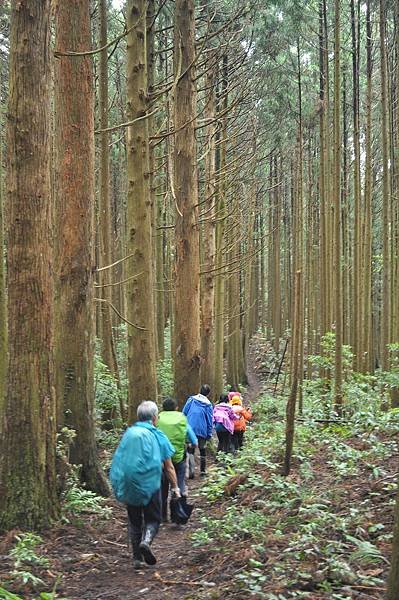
135,538
149,533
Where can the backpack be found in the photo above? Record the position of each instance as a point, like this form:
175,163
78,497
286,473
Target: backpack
174,425
136,467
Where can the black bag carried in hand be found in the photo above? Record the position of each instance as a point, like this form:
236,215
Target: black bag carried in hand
180,511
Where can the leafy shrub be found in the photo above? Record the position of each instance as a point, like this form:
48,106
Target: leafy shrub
25,557
165,377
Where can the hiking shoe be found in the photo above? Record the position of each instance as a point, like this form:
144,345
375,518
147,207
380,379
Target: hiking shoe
203,474
138,564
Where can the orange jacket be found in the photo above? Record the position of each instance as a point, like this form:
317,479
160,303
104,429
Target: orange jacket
244,414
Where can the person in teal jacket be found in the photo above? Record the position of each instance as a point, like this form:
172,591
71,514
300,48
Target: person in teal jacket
135,476
178,431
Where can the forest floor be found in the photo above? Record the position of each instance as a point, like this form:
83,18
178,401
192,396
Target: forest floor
90,558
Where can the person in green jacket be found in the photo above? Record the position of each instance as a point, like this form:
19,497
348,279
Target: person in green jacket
176,428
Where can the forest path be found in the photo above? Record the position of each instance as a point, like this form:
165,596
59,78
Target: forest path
96,561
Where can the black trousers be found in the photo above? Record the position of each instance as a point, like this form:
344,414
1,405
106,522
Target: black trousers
180,470
141,516
202,450
238,438
224,438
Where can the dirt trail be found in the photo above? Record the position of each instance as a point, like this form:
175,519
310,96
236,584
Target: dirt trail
97,562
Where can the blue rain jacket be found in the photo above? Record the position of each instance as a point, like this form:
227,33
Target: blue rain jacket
199,412
136,467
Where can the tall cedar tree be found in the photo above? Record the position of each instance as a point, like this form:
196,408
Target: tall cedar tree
3,301
28,497
337,212
187,310
107,339
140,303
74,324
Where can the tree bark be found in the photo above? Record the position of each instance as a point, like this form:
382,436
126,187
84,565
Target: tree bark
28,497
209,239
385,312
337,213
140,297
187,307
108,353
367,324
3,297
291,404
74,324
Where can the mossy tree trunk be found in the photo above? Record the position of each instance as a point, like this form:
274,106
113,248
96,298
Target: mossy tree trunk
28,497
140,297
3,297
209,239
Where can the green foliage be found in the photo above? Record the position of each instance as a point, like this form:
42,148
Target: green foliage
78,501
6,595
25,550
315,525
365,552
364,394
24,555
65,438
108,396
165,368
165,377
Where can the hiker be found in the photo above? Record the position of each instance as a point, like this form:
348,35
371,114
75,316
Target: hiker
199,412
176,428
135,475
240,425
233,391
224,418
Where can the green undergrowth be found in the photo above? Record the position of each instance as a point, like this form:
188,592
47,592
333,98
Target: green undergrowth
327,527
27,555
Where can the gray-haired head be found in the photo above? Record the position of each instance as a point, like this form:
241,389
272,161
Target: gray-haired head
147,410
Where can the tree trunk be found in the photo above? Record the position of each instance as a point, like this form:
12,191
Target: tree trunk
28,497
357,264
209,239
108,353
140,305
367,324
187,309
337,213
74,323
385,313
3,297
291,404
